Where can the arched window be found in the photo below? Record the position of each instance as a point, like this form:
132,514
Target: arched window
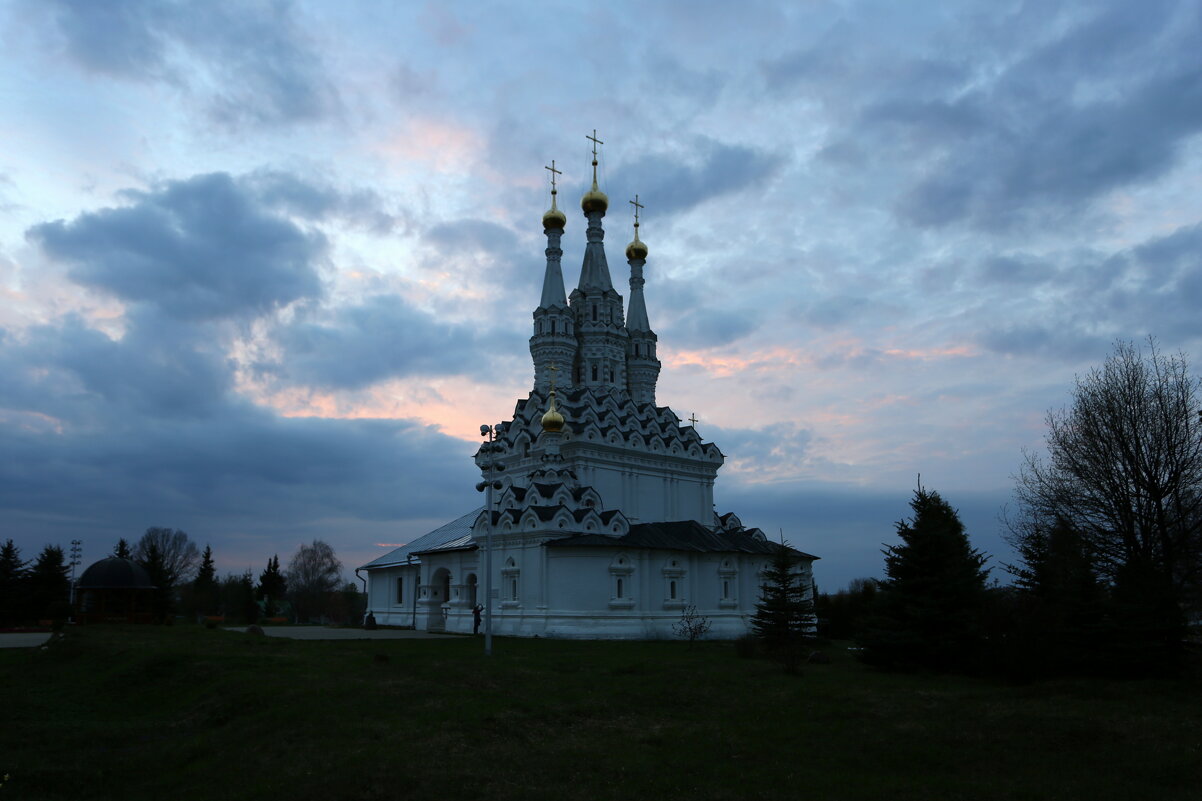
552,326
594,312
620,588
672,590
594,372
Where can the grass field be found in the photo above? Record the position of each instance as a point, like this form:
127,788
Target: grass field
191,713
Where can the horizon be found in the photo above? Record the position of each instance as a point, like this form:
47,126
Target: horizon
265,268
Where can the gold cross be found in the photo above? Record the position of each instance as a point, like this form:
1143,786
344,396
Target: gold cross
554,172
596,142
637,206
693,419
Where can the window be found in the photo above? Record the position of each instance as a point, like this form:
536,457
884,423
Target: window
594,372
509,576
725,590
620,588
594,316
552,326
400,589
672,590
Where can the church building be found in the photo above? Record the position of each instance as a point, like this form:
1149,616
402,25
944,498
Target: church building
599,503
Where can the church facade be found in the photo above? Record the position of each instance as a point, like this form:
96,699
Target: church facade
602,516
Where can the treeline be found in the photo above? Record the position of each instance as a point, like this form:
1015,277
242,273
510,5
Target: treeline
186,583
1107,527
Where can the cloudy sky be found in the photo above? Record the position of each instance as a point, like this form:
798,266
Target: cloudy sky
265,267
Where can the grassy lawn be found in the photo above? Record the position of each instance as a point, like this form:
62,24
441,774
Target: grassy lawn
192,713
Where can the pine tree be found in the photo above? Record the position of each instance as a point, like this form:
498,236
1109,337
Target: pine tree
930,608
122,550
12,581
784,615
49,585
204,586
272,586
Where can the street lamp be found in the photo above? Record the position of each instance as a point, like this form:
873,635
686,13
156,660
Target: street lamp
489,467
76,552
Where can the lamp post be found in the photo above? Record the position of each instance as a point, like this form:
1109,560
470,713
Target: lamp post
76,552
489,467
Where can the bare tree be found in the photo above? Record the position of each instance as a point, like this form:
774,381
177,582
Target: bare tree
1124,470
172,549
312,575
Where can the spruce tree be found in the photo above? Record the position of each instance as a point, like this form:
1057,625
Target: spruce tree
272,586
50,585
204,586
930,607
12,585
784,615
122,550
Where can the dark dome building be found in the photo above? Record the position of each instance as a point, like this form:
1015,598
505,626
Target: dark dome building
115,590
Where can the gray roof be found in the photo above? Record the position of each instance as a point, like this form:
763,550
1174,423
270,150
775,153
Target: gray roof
683,535
456,534
115,573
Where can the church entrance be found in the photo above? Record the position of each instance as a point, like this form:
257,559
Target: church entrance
439,596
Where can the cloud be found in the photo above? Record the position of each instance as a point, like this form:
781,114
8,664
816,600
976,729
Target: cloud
674,182
311,199
1001,118
250,59
382,337
200,248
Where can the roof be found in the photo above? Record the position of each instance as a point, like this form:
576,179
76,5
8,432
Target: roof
455,534
682,535
115,573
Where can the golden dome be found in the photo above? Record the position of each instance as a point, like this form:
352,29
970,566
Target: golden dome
552,419
554,218
594,200
636,249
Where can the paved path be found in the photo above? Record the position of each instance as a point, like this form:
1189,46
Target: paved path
326,633
23,639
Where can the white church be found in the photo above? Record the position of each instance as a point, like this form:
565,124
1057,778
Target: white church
602,514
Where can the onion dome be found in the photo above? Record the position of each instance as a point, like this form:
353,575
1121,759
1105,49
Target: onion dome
554,218
594,199
552,420
636,249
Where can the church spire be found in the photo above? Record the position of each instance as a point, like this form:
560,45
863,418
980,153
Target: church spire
553,224
636,256
601,357
594,273
642,365
554,338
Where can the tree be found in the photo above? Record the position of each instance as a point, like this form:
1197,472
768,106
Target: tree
49,585
169,558
205,590
692,625
1124,470
12,584
784,615
841,615
122,549
273,587
238,598
177,552
313,573
930,605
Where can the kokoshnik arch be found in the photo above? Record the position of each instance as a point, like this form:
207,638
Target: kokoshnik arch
604,524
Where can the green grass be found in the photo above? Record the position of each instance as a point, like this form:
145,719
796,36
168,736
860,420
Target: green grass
191,713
